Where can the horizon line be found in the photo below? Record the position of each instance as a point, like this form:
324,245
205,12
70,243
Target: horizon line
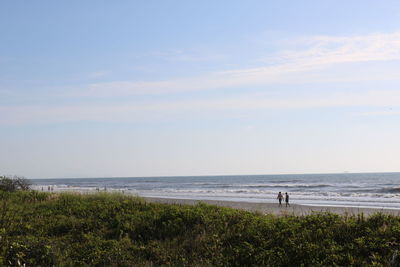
218,175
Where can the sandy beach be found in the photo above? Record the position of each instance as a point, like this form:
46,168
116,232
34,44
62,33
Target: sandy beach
273,208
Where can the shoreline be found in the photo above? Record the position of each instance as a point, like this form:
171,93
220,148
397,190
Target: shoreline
273,208
262,207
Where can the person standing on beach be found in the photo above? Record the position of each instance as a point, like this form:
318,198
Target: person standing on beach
280,197
287,199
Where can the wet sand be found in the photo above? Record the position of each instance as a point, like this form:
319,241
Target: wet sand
274,208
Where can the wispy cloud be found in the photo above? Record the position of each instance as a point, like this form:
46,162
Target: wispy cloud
292,65
323,50
316,53
205,108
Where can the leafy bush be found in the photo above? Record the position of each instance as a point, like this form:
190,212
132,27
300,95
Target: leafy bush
12,184
44,229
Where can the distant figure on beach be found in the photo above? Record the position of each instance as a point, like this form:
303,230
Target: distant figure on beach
287,199
280,197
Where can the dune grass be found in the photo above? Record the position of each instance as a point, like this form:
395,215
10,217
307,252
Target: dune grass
43,229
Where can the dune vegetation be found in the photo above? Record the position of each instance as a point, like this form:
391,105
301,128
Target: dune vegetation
103,229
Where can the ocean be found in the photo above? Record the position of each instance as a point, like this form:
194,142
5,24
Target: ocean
372,190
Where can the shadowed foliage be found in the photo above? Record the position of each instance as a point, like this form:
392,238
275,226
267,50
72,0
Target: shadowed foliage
15,183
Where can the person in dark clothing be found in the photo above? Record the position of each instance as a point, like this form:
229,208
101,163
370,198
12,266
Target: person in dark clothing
280,197
287,199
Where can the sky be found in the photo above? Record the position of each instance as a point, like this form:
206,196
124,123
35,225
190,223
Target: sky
166,88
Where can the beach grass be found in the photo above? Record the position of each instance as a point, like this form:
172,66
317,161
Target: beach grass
105,229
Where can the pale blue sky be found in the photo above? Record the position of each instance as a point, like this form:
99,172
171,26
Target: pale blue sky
154,88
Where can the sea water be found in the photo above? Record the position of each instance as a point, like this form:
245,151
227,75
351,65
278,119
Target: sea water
374,190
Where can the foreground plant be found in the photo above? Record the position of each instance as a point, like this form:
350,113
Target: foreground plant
45,229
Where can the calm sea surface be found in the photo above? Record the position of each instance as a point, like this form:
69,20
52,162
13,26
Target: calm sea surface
378,190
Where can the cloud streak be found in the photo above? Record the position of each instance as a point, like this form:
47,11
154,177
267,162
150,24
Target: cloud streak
292,65
317,53
206,108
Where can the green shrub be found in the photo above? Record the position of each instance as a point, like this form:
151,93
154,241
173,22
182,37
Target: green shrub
12,184
44,229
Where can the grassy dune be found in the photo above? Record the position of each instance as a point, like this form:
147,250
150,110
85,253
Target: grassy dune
41,229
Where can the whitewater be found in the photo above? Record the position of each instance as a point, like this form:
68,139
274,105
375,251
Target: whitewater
370,190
